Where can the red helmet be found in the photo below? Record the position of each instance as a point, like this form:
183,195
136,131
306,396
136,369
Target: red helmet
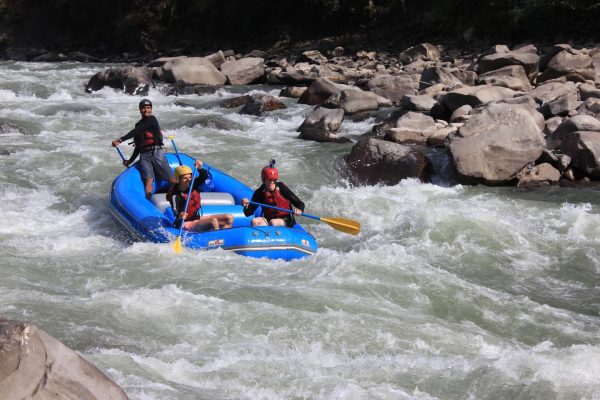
269,173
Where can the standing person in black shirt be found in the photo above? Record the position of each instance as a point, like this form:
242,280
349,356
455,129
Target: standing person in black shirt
275,194
148,142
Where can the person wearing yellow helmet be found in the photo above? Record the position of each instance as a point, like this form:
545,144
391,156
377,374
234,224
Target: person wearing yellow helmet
177,196
148,141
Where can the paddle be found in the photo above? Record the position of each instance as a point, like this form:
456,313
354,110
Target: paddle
121,154
341,224
175,147
177,244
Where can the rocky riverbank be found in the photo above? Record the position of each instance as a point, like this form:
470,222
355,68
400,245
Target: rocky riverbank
520,116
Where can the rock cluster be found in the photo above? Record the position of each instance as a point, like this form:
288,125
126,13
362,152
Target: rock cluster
524,116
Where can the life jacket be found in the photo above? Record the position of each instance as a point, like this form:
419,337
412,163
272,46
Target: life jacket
275,198
179,203
148,140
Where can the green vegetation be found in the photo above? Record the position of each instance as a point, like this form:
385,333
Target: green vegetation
113,26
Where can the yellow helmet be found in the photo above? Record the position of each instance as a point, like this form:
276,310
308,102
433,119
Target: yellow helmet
182,170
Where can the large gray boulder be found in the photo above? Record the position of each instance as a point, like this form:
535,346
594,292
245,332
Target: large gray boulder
474,96
412,127
243,71
584,149
511,76
375,161
36,366
192,71
353,101
393,87
526,57
574,65
320,90
496,143
579,122
321,124
437,74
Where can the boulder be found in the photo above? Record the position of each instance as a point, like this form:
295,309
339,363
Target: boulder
133,80
325,118
193,71
528,59
320,90
549,91
373,161
586,91
352,101
394,87
244,71
412,127
584,149
511,76
562,105
236,101
260,103
423,51
437,74
574,65
474,96
579,122
36,366
590,106
496,143
292,91
538,175
417,103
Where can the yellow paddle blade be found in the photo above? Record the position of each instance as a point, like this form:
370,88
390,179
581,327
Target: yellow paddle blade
177,245
343,224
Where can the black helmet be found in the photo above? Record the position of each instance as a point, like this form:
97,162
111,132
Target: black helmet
144,103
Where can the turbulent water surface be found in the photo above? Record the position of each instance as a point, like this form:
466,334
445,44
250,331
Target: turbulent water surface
449,292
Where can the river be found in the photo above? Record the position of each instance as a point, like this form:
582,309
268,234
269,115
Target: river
449,292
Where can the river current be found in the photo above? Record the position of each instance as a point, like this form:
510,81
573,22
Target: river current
449,292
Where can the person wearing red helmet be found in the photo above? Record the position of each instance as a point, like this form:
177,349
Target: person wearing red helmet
148,141
177,195
276,194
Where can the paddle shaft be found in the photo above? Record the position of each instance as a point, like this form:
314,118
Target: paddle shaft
121,154
283,209
176,152
187,201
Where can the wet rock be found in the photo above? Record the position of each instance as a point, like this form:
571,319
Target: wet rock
261,103
292,91
496,143
320,90
34,365
181,88
236,101
375,161
132,80
324,118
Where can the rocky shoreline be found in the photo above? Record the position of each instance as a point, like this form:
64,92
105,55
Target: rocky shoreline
523,116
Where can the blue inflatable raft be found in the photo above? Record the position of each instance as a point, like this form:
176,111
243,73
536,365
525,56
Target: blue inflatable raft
153,220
